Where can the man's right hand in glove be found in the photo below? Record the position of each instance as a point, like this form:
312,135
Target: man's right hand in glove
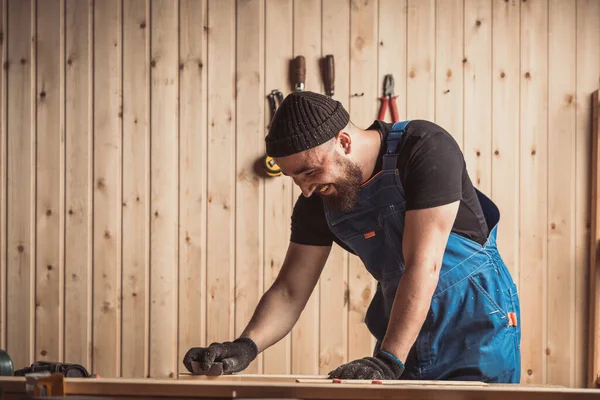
221,358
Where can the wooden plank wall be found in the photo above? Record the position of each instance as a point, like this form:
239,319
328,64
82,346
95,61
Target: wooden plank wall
133,225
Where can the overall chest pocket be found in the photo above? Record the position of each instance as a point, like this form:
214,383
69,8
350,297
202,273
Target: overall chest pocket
375,235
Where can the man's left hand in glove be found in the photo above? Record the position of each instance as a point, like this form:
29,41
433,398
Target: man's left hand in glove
383,365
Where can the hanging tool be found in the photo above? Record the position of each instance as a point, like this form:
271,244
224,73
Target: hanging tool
269,165
388,98
298,73
328,69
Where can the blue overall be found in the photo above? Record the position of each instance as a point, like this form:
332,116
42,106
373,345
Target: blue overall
472,329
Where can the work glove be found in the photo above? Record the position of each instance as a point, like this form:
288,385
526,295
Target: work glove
221,358
383,365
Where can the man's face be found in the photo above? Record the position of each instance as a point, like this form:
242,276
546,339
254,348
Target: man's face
328,171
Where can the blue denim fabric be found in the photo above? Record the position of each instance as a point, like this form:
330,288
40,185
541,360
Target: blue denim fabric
467,335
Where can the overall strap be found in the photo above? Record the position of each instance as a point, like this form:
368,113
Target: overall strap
393,139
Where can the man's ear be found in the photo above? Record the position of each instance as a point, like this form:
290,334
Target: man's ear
345,141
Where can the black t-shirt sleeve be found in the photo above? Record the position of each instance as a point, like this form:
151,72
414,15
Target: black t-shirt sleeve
433,171
309,225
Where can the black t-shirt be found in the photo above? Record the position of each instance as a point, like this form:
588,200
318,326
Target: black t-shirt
432,171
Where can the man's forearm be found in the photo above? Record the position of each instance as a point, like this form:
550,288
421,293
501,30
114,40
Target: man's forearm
410,309
274,317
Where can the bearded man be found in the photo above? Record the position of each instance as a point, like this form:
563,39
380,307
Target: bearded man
399,197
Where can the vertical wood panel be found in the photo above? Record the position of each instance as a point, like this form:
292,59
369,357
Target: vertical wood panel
561,191
477,92
588,81
221,170
593,378
250,145
78,183
449,47
192,169
420,87
505,128
3,177
363,111
307,43
48,332
392,52
21,180
164,155
333,313
533,190
136,148
107,189
278,191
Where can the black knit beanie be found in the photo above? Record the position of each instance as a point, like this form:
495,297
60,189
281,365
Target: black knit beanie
304,120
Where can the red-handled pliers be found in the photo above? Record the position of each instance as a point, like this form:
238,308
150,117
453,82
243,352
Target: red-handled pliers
388,97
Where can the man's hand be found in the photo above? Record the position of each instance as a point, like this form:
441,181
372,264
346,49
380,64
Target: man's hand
383,366
221,358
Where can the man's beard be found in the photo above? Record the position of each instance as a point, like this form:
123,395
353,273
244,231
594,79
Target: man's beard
347,188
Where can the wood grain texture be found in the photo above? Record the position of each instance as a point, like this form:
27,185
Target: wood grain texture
562,136
277,191
477,92
307,43
164,153
363,111
588,81
107,189
449,36
78,182
136,186
20,253
249,190
420,86
392,40
49,183
594,328
333,312
505,129
221,171
3,177
192,175
533,203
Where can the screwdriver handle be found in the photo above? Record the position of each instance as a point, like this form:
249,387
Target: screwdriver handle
299,73
329,75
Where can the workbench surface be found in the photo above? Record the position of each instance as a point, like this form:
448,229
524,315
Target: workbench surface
295,387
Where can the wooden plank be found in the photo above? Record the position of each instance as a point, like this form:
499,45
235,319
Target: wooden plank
156,389
20,251
307,43
588,81
363,111
136,186
449,36
192,169
49,182
249,191
278,191
562,59
477,92
333,313
533,188
392,49
594,327
421,60
164,153
107,189
505,129
3,174
221,171
78,183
